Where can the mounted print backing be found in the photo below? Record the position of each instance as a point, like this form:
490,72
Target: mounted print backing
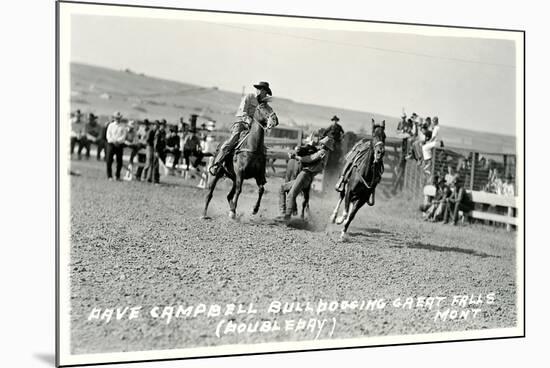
235,183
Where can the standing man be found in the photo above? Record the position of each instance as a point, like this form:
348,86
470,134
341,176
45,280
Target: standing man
311,165
91,134
159,146
150,152
102,141
336,133
116,136
142,133
245,116
76,130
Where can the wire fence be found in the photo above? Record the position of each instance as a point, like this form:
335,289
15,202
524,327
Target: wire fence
477,171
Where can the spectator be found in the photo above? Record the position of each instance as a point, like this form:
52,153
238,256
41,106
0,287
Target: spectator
459,200
102,141
91,134
131,140
451,175
116,136
159,153
208,149
142,133
431,142
150,152
423,137
77,130
173,145
498,183
401,126
508,186
438,206
192,147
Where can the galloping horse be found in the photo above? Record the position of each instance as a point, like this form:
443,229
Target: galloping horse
248,161
366,173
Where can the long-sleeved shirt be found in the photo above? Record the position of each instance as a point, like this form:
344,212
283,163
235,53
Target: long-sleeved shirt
435,134
116,133
160,141
141,135
93,130
191,143
335,131
247,107
173,141
316,162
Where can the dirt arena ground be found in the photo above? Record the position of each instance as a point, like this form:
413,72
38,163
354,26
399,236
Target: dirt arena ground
135,244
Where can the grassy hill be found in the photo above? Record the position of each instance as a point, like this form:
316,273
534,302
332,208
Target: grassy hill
103,91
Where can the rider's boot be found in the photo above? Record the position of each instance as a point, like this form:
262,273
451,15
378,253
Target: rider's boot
217,164
341,184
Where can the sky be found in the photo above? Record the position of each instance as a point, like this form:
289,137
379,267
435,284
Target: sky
467,82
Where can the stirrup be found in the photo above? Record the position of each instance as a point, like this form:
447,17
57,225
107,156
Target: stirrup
213,170
340,186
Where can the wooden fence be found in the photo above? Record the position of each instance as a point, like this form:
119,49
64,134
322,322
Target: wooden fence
489,206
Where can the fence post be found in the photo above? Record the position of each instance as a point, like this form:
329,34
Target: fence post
300,137
473,169
510,214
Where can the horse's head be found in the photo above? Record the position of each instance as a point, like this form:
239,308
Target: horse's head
379,139
266,116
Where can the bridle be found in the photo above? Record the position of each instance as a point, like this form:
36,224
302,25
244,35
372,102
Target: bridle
379,143
269,116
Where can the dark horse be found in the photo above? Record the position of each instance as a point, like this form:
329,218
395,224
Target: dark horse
366,173
248,161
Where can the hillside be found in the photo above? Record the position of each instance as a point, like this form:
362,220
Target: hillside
102,91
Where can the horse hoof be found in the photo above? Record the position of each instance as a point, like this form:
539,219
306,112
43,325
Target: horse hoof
204,217
340,220
232,215
255,211
344,237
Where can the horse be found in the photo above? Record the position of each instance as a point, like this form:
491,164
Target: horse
248,161
364,177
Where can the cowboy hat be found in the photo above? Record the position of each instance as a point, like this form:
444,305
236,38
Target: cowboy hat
265,86
328,142
117,115
335,118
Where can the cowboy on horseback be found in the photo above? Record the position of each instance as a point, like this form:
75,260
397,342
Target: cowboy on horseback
312,164
354,156
245,116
